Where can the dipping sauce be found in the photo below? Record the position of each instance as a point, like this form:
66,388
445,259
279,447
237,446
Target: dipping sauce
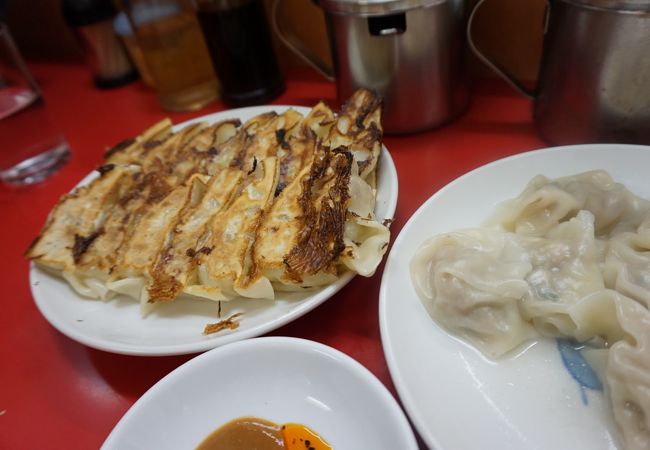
299,437
246,433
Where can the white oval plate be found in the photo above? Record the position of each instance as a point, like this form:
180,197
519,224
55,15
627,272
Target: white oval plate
176,328
285,380
455,397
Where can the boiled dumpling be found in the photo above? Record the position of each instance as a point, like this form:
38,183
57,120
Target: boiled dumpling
628,376
545,203
565,268
471,282
566,258
627,265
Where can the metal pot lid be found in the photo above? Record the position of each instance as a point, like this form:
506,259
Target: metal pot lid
640,6
372,7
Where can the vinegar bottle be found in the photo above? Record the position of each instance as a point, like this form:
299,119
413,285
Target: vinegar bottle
239,41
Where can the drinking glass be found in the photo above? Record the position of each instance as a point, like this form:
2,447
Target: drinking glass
30,148
175,52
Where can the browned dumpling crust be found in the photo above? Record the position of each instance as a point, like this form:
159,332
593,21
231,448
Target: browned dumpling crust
226,210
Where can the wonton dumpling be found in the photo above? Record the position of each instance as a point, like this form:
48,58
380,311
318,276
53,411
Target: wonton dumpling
627,265
565,268
628,376
471,282
594,317
568,257
545,203
537,209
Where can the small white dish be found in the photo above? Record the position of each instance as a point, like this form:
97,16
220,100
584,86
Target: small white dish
176,328
275,378
455,397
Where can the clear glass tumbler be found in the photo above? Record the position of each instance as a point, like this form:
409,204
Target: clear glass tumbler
173,47
30,148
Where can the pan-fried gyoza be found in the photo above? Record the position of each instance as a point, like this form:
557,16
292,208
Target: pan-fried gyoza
223,211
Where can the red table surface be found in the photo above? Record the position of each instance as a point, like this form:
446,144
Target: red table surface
56,393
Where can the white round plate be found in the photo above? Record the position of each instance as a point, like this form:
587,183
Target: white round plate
284,380
456,398
176,328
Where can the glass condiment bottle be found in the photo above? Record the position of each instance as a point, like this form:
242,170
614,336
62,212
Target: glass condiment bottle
238,37
92,20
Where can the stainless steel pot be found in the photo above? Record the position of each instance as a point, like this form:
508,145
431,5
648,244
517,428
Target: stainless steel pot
594,78
410,51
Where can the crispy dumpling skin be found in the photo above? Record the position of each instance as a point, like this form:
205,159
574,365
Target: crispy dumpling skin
229,210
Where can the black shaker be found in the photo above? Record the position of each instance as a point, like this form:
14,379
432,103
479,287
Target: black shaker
92,21
239,41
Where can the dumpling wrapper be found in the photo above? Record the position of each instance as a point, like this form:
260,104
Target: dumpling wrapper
470,282
628,375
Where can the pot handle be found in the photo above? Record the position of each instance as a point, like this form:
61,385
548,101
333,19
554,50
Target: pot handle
503,73
295,45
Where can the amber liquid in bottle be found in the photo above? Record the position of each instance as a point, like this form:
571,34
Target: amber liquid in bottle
179,62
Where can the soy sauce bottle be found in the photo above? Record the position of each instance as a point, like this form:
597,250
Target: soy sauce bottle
239,41
92,22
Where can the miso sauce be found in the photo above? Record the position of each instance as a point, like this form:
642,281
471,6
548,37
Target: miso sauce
245,433
253,433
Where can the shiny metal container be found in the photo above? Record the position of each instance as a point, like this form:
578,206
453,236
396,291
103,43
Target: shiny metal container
594,78
409,51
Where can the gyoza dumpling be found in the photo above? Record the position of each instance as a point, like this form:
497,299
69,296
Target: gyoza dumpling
225,267
132,151
77,221
358,129
366,239
174,268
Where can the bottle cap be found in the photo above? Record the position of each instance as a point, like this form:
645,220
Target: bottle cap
86,12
